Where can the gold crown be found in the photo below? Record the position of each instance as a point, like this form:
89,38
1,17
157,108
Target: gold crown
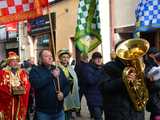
12,56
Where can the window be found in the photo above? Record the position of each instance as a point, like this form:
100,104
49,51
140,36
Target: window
7,36
3,34
43,40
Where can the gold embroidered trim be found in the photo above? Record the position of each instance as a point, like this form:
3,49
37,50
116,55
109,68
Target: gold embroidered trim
1,116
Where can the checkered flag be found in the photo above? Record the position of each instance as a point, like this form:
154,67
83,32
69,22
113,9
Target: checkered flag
18,10
148,15
88,26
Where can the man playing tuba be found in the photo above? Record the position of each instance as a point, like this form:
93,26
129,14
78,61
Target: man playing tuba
117,100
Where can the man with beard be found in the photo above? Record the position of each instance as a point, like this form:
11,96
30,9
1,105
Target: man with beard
71,102
14,90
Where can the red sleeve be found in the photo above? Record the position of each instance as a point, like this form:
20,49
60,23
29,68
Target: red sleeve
5,95
4,87
1,73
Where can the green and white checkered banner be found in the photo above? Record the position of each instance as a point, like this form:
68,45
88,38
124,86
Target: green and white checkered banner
88,26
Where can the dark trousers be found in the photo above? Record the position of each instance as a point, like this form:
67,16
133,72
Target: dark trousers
68,115
96,112
81,94
46,116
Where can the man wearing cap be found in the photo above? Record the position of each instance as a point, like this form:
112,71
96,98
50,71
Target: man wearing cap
92,74
14,90
71,102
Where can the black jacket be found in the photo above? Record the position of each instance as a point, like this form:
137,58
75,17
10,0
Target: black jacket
45,93
153,104
116,101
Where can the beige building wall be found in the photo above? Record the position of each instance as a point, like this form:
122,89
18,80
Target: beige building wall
124,12
24,45
66,19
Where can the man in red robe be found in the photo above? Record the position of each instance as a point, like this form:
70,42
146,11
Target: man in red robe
14,90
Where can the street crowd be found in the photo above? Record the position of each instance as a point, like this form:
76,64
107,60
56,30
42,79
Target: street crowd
48,91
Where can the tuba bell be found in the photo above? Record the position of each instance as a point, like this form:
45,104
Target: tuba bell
131,53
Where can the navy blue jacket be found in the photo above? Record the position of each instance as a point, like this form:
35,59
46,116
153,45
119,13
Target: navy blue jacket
92,75
45,93
81,75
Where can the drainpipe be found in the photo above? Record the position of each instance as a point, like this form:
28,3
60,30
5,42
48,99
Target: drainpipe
104,7
112,23
20,36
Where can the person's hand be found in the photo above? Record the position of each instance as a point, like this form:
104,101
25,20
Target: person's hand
131,75
56,72
60,96
151,78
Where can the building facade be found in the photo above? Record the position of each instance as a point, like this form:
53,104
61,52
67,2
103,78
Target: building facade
34,35
124,23
64,27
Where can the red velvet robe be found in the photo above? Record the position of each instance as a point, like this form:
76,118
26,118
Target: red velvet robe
14,107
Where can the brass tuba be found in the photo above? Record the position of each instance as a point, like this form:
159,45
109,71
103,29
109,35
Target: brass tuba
131,52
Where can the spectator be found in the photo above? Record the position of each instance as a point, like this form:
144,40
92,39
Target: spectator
50,86
71,102
92,74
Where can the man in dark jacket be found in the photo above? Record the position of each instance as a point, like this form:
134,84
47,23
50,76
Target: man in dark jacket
50,87
92,74
149,57
116,101
153,74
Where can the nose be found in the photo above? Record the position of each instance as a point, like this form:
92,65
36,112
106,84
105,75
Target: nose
50,58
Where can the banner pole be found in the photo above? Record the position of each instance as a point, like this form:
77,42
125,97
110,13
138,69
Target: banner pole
53,47
52,35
